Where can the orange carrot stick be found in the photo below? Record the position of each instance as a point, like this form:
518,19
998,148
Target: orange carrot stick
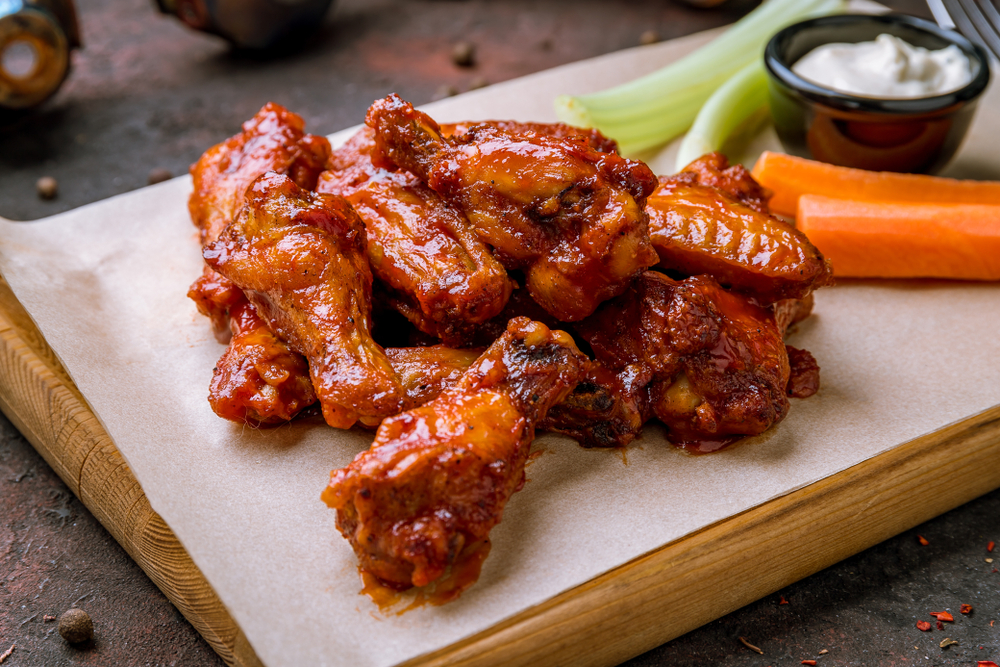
791,177
894,240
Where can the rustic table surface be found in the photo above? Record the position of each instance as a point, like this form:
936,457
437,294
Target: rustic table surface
146,95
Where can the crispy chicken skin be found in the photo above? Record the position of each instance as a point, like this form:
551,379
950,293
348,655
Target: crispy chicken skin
571,217
438,273
698,228
425,372
301,260
437,477
600,412
713,170
713,363
591,136
258,380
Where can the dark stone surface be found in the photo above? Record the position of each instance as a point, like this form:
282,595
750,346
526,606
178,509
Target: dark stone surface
146,94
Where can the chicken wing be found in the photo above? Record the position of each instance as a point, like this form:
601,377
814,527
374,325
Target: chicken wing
258,380
273,140
711,364
440,276
571,217
697,228
301,260
437,478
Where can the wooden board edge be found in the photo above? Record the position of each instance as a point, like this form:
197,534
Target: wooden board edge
40,399
605,621
705,575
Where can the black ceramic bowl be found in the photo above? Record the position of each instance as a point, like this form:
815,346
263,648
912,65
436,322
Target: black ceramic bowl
917,135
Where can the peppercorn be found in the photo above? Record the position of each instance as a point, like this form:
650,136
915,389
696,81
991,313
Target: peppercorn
76,627
463,54
47,187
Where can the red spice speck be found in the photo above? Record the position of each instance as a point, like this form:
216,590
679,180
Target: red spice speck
923,540
782,600
986,663
923,626
808,662
966,609
989,547
940,625
942,615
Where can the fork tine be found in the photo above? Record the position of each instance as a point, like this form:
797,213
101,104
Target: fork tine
992,15
965,25
983,26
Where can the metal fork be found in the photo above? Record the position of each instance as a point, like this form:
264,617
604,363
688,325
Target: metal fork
978,20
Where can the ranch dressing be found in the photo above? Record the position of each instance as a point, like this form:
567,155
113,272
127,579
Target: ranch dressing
886,68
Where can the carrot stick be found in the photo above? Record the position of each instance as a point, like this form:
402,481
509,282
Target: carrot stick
791,177
899,240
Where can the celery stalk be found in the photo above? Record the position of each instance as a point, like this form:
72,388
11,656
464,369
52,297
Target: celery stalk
730,106
655,108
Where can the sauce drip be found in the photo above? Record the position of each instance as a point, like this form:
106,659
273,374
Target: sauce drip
462,574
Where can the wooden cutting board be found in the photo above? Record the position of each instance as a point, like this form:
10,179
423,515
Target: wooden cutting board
625,612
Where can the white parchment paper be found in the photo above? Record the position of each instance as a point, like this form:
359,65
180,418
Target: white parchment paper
106,286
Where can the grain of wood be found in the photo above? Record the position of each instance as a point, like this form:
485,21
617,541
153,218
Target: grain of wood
605,621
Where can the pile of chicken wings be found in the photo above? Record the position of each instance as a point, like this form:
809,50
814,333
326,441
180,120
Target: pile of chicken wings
461,286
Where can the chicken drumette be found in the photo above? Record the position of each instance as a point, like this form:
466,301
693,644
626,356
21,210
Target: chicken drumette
569,216
437,272
437,478
258,379
301,260
712,219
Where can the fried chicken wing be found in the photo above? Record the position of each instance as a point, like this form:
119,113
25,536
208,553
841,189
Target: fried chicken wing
698,228
301,260
258,380
571,217
712,364
273,140
439,274
437,478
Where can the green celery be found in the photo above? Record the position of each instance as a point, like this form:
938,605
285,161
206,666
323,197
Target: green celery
655,108
730,106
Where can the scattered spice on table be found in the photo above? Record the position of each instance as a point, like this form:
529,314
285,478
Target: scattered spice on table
750,646
48,618
782,600
823,652
47,187
940,625
75,626
966,609
946,642
6,654
989,560
989,547
923,540
986,663
463,54
942,616
649,37
808,662
923,626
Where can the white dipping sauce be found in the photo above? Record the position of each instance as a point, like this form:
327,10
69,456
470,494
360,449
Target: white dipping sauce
886,68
